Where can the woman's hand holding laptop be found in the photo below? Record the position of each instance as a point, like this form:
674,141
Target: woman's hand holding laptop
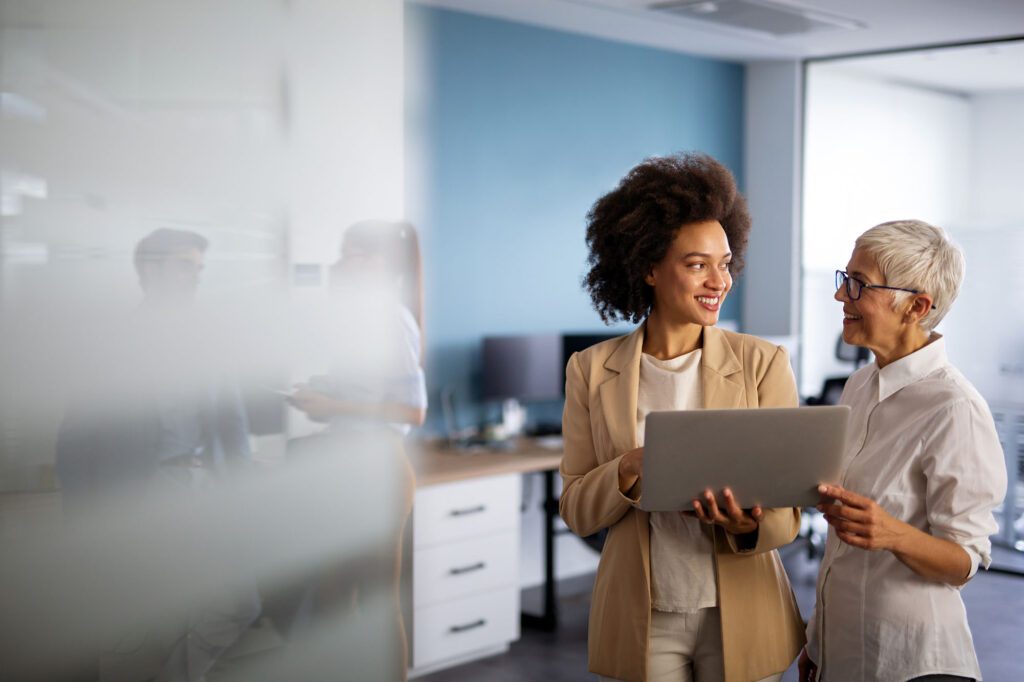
631,468
735,520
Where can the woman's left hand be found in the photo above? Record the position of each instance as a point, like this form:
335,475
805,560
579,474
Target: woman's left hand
734,520
860,521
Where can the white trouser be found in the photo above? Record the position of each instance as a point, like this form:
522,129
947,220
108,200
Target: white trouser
686,647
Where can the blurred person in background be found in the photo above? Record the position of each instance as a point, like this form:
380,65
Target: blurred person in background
372,396
377,376
155,424
911,519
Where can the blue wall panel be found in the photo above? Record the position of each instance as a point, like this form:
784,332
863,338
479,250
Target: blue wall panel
523,129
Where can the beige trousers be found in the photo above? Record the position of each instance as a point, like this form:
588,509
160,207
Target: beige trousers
686,647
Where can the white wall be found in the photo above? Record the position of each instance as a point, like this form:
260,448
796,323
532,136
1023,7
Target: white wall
997,160
985,329
346,119
874,151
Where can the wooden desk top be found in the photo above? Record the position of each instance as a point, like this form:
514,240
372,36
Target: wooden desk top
435,464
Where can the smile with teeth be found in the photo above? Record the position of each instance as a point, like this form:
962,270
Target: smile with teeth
850,317
708,301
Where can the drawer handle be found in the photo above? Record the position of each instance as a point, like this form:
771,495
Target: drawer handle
468,510
456,629
468,569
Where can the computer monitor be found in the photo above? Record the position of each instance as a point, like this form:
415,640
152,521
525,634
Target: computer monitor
522,367
531,367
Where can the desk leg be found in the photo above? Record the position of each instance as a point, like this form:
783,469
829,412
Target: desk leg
548,620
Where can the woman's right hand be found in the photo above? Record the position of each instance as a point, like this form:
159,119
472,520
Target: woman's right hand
631,469
806,667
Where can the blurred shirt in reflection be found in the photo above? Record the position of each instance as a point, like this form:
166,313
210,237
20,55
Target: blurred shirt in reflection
376,377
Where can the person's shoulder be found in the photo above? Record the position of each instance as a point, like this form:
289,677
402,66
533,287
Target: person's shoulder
595,356
947,387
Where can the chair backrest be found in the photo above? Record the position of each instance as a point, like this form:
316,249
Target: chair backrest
858,355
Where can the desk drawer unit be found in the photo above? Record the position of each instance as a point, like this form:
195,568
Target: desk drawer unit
457,628
458,569
465,566
455,511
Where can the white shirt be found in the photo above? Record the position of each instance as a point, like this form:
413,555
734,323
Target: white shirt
923,445
682,563
378,359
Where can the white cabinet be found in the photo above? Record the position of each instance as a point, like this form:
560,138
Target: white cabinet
465,568
465,509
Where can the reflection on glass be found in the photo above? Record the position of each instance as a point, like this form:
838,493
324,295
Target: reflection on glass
163,167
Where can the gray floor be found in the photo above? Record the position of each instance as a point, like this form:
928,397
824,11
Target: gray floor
995,609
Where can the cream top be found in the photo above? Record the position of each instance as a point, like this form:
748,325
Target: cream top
682,563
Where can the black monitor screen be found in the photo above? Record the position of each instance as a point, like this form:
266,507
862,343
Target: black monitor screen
530,367
574,343
522,367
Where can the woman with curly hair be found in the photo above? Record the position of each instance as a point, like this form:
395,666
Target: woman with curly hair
702,595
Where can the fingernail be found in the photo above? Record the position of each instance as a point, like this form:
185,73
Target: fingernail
822,488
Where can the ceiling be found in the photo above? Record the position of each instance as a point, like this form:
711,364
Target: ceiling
972,70
879,25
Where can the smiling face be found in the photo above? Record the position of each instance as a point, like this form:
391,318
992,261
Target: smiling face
691,282
870,321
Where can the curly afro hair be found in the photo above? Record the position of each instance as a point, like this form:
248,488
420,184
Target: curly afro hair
630,229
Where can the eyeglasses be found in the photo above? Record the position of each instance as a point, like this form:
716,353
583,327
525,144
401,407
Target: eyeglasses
854,286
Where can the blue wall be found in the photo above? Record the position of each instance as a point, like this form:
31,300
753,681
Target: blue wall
524,128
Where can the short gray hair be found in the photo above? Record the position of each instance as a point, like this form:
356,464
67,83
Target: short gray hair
915,255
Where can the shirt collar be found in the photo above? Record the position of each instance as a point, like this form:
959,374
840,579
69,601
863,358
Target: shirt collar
914,367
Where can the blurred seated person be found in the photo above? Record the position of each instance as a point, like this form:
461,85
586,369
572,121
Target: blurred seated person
154,424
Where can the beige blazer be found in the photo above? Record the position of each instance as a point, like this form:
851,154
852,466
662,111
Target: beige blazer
762,631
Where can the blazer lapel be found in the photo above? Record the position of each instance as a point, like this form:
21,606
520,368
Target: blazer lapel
721,372
619,392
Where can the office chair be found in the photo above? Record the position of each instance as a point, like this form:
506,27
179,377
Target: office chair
832,387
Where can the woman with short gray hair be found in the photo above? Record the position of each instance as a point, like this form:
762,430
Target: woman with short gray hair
923,472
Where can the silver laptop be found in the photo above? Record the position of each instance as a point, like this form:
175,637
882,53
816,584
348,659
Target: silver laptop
774,457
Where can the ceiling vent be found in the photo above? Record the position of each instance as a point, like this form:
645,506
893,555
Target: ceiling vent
762,16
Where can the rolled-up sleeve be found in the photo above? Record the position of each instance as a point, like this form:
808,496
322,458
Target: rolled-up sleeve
965,470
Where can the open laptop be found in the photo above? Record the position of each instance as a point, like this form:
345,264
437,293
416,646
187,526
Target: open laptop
774,457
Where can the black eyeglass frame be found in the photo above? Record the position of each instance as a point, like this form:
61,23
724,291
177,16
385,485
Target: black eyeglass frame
843,278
